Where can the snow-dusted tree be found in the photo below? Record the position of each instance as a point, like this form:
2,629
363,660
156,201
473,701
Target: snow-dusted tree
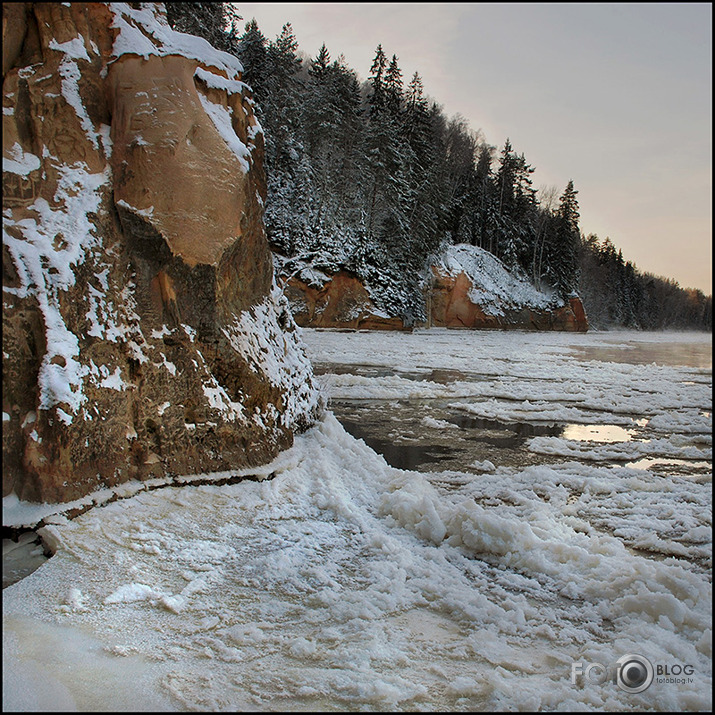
319,66
332,126
460,148
374,178
393,88
376,81
285,54
283,90
483,233
289,215
563,265
543,229
418,130
253,53
214,21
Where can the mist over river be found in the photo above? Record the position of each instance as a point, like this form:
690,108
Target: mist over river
480,518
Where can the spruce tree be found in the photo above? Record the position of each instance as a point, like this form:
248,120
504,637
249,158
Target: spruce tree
319,66
563,263
393,88
285,51
505,178
210,20
253,53
377,82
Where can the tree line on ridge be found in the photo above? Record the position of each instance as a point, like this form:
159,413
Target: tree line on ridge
374,178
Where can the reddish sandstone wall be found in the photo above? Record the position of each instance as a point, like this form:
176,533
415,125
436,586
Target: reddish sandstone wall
139,313
342,302
452,307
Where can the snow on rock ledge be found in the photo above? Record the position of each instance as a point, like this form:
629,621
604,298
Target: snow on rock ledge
142,334
471,288
338,301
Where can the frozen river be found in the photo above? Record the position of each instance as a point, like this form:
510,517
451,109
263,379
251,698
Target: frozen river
484,521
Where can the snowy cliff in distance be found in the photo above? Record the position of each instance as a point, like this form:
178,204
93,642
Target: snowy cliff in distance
464,287
471,288
494,288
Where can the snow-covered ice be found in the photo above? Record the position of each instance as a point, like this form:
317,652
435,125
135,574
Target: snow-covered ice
343,583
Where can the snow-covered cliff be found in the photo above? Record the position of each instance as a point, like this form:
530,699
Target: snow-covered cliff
471,288
465,287
143,335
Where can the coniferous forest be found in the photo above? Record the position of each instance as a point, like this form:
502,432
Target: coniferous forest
375,178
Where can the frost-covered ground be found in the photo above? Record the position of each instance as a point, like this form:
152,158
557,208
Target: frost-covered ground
345,583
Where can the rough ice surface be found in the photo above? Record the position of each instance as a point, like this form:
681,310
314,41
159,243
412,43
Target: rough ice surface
344,584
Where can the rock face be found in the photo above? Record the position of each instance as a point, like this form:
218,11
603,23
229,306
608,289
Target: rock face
340,302
467,288
452,306
143,334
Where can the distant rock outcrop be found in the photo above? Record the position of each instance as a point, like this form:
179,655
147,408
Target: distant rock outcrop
467,288
340,302
470,288
143,334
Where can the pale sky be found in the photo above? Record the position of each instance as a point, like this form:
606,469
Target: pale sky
617,97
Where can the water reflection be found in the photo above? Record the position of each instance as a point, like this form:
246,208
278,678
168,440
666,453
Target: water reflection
699,355
503,434
647,462
597,433
401,456
434,434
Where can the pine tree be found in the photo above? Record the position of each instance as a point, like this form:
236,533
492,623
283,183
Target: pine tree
372,179
287,62
483,233
524,213
331,117
415,94
461,147
418,133
506,231
563,256
393,88
505,178
349,137
253,53
290,211
282,93
319,66
377,82
416,125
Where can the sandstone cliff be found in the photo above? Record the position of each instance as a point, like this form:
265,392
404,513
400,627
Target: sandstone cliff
319,300
467,287
143,334
470,288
